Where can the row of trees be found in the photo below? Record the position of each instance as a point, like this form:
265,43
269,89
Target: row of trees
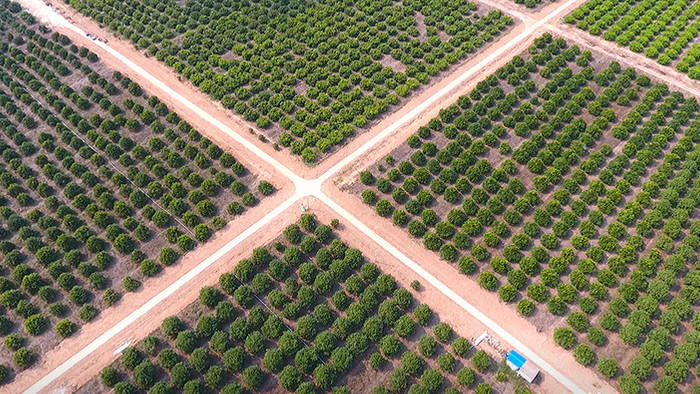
661,30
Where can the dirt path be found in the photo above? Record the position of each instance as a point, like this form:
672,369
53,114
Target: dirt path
131,302
535,343
214,122
201,110
464,324
176,82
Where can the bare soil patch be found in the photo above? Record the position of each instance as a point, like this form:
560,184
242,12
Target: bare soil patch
389,61
420,25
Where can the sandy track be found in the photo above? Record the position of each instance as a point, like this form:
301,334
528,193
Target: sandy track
463,323
441,94
398,126
165,75
263,168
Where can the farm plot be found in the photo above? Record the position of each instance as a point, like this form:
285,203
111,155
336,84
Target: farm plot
305,314
663,30
102,186
569,186
530,3
311,80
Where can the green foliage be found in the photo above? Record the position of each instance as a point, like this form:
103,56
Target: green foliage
412,364
405,326
584,355
66,328
24,358
607,366
466,377
481,361
130,284
186,341
564,337
109,376
35,324
377,361
253,377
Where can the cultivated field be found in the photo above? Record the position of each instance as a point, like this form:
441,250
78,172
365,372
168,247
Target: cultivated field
310,82
306,314
553,204
566,185
663,30
531,3
102,185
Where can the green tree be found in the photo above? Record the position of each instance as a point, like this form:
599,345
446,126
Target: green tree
186,341
466,377
209,296
432,380
405,326
584,355
109,376
325,376
253,377
35,324
443,332
629,384
131,357
290,378
412,364
24,358
607,366
145,374
234,359
481,361
66,328
273,360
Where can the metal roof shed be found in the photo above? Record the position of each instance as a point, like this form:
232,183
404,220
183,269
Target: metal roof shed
529,371
514,360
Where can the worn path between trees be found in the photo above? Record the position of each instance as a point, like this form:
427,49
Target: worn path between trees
77,359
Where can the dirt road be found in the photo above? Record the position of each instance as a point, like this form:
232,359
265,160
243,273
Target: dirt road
443,91
211,118
465,324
